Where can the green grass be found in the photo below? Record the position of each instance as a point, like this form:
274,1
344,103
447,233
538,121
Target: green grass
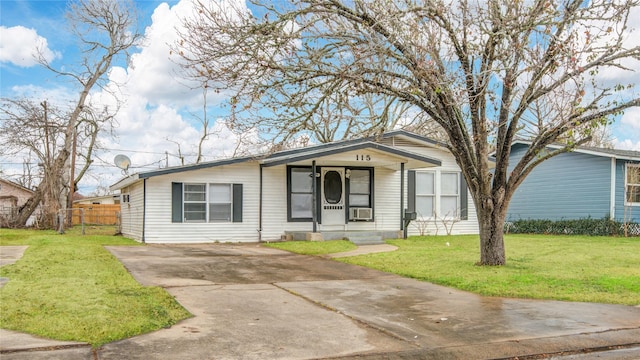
314,247
570,268
69,287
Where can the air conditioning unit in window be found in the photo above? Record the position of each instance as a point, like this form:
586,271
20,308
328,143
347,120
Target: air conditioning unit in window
360,213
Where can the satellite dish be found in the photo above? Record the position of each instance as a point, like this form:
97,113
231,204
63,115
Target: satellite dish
123,162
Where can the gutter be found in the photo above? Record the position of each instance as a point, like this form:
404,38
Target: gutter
144,208
260,207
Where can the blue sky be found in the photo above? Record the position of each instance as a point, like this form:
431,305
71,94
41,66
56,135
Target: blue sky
160,111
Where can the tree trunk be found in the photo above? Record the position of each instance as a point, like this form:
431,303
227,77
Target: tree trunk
26,210
492,237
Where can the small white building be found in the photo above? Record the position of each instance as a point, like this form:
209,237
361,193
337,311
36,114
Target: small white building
356,189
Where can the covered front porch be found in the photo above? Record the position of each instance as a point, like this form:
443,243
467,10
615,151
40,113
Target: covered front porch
355,192
358,237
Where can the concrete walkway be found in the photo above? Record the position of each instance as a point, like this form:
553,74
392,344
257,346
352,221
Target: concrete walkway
251,302
365,249
9,255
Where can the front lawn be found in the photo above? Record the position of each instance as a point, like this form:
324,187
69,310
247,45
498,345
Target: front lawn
570,268
69,287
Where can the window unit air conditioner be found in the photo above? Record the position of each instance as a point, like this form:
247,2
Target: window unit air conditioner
360,214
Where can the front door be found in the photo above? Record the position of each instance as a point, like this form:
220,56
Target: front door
332,196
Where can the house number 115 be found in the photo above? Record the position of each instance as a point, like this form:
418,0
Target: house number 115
363,157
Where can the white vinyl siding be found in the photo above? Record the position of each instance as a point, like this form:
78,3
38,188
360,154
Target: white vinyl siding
132,212
161,229
385,199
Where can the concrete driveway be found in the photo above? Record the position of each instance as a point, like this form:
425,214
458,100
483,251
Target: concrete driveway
251,302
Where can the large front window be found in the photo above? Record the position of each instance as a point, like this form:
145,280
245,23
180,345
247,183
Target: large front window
632,184
300,193
214,205
437,194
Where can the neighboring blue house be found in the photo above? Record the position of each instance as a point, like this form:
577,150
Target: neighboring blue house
587,182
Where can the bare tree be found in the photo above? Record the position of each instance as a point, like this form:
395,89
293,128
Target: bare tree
104,30
475,68
37,132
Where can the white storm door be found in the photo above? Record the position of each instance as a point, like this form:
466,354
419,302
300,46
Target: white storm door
332,196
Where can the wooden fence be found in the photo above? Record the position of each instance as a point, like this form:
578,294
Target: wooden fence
96,214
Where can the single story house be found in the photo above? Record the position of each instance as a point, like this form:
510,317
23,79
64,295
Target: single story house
586,182
350,189
12,196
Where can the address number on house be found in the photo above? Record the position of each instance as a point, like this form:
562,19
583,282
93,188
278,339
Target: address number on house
363,157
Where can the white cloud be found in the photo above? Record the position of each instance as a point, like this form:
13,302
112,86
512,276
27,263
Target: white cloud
154,109
626,144
627,130
19,45
154,115
631,118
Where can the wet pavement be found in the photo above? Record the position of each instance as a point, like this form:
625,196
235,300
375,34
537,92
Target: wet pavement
251,302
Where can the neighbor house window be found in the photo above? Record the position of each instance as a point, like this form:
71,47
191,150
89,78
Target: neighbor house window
195,202
300,189
437,194
220,202
632,184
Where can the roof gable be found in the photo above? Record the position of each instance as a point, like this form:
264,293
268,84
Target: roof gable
15,185
287,156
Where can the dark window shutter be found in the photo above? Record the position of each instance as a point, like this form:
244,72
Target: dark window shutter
464,201
411,197
237,202
176,202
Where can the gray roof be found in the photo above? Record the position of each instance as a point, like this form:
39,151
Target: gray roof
299,154
616,152
597,151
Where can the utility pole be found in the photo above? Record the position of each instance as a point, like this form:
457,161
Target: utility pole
72,180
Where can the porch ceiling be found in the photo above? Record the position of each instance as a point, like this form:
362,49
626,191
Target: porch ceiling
366,154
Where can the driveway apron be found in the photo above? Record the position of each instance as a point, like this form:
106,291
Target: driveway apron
251,302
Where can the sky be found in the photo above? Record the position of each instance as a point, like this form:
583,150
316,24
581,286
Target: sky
160,111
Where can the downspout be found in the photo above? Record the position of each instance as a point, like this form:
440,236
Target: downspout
314,189
260,208
612,200
144,208
402,228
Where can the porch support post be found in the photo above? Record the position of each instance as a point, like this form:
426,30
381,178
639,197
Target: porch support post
402,197
260,207
314,216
